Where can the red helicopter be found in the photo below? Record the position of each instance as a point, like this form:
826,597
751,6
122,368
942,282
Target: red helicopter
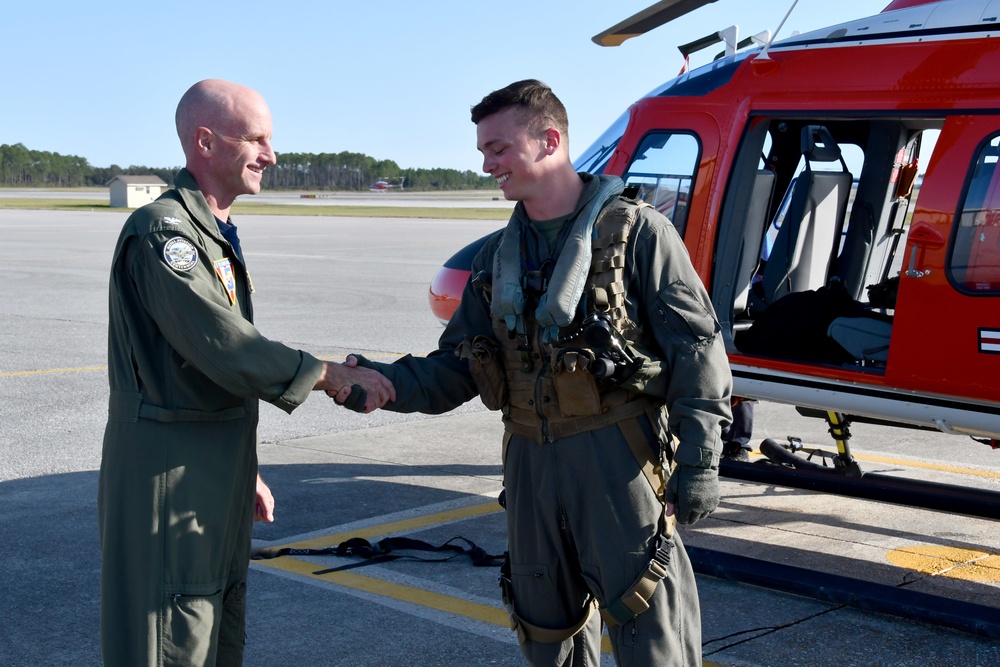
849,281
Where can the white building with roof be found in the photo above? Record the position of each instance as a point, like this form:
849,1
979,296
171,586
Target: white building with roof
130,191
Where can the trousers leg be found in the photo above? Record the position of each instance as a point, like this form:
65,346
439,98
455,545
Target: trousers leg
547,585
582,522
668,634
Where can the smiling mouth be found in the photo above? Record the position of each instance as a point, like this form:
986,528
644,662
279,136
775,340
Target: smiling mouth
502,179
255,169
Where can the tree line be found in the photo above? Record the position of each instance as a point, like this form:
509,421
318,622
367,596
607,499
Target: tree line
23,167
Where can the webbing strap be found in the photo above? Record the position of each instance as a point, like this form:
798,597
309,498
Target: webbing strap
636,598
529,632
387,549
571,425
643,454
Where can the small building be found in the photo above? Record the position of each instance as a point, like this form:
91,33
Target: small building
134,191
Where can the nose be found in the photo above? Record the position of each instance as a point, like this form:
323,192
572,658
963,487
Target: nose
267,155
488,164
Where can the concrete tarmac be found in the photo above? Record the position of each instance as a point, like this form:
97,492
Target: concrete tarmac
339,285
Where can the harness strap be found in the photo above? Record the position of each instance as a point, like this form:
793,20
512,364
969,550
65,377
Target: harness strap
575,425
636,598
529,631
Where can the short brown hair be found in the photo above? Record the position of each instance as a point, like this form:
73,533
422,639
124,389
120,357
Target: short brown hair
538,107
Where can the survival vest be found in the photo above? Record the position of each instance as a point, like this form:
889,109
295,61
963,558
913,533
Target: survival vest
572,385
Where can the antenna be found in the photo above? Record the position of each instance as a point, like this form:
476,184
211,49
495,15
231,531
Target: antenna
763,54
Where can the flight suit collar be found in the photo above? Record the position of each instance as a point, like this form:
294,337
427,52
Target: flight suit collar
196,204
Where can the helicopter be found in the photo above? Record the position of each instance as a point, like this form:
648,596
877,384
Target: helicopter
849,281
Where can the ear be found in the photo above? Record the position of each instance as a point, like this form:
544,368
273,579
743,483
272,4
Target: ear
553,140
204,139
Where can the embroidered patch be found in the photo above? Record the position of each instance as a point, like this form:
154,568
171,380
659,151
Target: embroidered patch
180,254
224,269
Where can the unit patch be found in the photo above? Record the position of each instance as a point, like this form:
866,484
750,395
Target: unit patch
180,254
989,340
224,270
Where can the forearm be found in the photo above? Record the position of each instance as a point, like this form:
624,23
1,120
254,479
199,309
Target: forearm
433,384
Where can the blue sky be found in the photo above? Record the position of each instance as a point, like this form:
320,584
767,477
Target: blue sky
391,79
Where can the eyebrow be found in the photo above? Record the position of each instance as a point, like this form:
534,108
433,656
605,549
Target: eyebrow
488,144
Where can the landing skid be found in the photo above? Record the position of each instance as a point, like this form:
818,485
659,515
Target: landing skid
839,473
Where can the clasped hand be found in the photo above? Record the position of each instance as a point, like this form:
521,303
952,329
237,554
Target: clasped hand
356,387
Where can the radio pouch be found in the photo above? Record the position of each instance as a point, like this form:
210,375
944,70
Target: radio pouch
575,387
481,354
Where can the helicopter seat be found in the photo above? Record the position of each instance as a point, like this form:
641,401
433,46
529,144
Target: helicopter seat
865,338
753,232
809,237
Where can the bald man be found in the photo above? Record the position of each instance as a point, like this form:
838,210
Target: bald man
178,484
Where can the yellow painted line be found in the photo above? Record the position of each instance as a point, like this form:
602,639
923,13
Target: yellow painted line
950,562
401,592
79,369
399,526
445,603
989,474
909,463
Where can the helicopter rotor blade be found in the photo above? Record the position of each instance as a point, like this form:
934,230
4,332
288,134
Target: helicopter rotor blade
652,17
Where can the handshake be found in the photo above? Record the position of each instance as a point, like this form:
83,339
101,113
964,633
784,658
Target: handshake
356,384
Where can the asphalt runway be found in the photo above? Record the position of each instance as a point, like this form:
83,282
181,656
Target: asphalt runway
339,285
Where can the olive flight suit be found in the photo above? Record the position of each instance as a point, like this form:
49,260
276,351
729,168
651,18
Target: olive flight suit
582,517
177,483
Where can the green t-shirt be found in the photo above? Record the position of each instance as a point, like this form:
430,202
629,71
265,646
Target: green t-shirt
549,229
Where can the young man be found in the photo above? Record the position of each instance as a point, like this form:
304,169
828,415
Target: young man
585,323
178,488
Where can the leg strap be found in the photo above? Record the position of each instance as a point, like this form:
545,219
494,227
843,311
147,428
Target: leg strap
528,631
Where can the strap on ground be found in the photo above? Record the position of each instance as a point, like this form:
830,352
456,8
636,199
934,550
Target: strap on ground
388,549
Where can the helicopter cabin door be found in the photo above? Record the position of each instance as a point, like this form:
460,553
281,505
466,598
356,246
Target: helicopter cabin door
946,328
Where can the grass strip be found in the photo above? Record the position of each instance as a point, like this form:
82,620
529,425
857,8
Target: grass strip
250,208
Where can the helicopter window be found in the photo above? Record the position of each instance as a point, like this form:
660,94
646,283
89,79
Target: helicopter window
663,170
595,159
975,257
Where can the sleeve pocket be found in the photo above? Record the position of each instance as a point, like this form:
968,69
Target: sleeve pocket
685,316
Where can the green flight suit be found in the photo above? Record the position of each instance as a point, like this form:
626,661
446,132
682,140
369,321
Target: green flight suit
582,518
176,492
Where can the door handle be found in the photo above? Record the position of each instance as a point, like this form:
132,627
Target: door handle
912,271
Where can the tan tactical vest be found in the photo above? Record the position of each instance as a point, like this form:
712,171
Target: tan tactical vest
550,393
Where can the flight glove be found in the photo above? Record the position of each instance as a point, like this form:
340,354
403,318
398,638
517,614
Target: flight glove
357,398
359,395
694,491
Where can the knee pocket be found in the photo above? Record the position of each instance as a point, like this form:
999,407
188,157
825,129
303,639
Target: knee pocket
189,627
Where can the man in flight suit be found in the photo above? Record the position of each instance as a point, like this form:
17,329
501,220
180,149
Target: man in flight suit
584,394
178,483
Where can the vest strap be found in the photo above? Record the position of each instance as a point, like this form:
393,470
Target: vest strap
575,425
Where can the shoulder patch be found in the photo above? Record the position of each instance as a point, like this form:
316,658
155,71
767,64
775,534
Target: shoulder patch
180,254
